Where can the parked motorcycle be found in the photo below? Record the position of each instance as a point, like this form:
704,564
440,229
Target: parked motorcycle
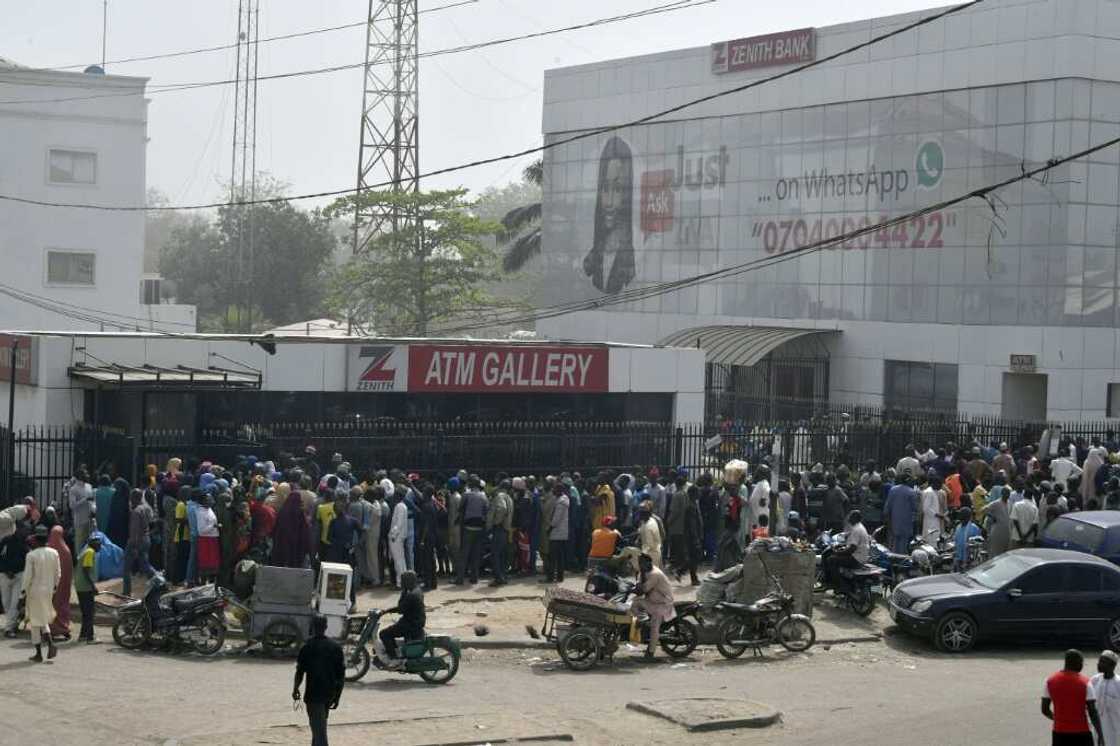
856,586
768,621
192,618
435,658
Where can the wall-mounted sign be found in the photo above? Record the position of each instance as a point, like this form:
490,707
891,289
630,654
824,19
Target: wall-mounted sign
1024,363
506,369
26,371
785,48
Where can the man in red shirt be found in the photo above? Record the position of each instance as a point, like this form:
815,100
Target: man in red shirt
1067,698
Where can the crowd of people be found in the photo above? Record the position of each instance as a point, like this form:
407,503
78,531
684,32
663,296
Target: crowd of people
195,520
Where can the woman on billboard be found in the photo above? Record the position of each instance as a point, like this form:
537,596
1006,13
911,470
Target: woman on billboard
612,250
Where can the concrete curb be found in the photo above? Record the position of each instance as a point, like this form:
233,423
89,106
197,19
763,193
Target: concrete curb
763,717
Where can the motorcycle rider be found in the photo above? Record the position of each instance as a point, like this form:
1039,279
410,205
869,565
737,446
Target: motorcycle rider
411,624
656,599
855,552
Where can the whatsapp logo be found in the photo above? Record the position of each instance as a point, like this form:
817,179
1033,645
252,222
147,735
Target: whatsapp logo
930,164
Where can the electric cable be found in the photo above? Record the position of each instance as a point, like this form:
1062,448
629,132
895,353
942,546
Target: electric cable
527,151
188,86
223,47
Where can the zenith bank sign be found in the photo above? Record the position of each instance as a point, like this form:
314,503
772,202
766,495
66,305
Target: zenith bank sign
771,50
507,369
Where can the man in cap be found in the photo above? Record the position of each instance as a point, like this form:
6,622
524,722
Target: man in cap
41,576
1106,688
1067,698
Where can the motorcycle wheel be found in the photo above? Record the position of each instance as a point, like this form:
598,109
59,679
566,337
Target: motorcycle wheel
679,638
861,601
210,636
449,656
131,631
357,660
796,634
579,649
281,637
733,629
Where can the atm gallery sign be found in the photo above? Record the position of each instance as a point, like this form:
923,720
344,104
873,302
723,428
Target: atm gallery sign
505,369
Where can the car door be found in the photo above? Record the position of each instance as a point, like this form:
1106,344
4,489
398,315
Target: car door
1032,604
1085,607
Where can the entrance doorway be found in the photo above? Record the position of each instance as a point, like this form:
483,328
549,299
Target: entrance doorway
1024,396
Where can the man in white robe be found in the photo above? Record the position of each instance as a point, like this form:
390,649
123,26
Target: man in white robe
41,576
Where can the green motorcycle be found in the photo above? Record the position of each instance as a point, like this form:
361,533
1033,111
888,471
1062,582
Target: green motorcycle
435,659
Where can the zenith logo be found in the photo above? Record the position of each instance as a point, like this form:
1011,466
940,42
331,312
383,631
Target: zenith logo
377,376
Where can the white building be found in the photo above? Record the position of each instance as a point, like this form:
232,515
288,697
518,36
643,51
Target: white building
75,138
925,315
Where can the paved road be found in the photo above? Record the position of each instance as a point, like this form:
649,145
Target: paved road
891,691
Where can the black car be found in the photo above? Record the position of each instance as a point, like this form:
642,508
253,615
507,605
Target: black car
1026,594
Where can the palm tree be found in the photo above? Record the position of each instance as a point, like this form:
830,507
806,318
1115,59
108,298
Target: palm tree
521,226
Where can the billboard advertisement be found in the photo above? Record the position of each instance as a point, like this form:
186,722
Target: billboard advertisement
670,200
482,368
26,368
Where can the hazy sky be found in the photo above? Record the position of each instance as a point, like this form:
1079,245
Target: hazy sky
473,104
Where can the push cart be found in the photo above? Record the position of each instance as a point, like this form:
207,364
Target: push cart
587,629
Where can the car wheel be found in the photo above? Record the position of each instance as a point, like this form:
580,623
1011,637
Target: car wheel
1112,635
955,633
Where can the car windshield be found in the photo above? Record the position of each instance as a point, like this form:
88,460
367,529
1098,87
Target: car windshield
1078,533
998,572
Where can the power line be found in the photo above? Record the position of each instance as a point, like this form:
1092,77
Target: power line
189,86
223,47
663,288
528,151
82,313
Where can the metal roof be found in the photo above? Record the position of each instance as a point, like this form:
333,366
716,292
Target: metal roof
181,376
738,345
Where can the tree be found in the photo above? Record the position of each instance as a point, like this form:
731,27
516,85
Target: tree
428,272
281,280
521,226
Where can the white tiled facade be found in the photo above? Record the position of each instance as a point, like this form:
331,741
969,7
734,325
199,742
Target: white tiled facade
75,138
960,103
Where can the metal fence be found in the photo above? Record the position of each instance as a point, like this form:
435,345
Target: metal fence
45,458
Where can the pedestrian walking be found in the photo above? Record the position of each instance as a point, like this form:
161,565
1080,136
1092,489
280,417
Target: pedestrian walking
85,577
13,559
321,661
1070,702
60,627
140,520
1106,689
40,580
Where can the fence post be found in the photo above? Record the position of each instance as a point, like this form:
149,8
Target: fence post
678,447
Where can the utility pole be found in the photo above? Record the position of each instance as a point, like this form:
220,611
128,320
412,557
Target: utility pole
104,30
389,144
243,170
11,470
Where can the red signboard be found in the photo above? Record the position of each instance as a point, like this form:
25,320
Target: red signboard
24,359
507,369
785,48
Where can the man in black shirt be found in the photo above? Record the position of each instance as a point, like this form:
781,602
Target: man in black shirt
411,624
321,659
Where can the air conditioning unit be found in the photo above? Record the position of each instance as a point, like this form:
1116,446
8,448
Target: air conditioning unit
150,291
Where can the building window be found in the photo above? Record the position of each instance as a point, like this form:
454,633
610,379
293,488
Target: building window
70,267
911,385
72,167
1113,400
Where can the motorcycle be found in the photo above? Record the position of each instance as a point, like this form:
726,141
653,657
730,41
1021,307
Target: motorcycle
856,586
192,618
604,580
435,658
769,620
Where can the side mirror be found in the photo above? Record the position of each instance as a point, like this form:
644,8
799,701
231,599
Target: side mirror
1014,593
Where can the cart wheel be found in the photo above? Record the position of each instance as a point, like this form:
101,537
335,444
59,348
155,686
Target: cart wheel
357,660
579,648
281,637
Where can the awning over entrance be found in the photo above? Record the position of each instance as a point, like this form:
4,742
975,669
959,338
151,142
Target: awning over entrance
153,376
739,345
